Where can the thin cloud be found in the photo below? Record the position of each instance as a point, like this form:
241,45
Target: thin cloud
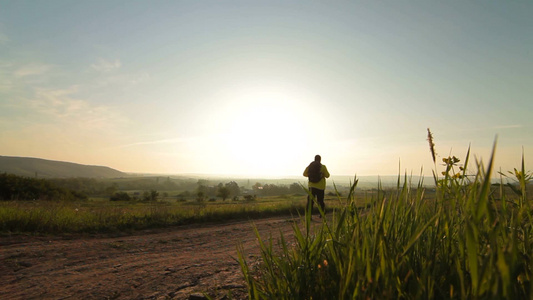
105,66
6,82
31,70
508,126
4,39
161,141
140,78
121,80
5,85
62,106
492,128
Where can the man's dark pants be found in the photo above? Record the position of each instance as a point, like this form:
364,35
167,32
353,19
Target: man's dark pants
319,195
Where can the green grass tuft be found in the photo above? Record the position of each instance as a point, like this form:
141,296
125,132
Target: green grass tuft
463,239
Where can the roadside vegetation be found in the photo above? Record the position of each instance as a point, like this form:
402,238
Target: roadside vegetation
53,217
83,205
109,205
471,239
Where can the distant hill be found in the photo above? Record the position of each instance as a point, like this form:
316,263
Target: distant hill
42,168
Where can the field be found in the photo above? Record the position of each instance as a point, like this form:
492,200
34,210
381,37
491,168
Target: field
51,217
467,237
90,250
168,250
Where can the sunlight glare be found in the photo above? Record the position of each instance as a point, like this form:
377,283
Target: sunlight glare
265,130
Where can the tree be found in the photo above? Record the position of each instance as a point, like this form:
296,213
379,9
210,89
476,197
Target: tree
14,187
202,187
200,196
110,190
153,195
150,196
223,192
296,188
257,186
234,188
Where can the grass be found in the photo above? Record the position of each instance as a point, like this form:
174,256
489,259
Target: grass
52,217
470,240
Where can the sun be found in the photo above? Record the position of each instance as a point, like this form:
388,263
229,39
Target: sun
264,130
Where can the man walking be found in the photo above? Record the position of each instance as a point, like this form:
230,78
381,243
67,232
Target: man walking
317,174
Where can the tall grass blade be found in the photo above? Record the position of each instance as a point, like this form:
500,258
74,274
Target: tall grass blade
482,205
419,233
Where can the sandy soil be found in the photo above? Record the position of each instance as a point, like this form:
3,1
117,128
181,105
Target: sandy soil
175,263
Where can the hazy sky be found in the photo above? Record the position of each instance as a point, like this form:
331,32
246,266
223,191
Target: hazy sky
260,87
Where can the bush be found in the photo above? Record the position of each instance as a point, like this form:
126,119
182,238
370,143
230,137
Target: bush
120,196
249,197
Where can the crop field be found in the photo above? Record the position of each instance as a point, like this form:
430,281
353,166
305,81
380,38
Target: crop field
101,216
51,217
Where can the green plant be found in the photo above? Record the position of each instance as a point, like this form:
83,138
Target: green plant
522,178
461,242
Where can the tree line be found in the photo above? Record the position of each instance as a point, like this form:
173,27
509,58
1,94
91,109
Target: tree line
233,190
13,187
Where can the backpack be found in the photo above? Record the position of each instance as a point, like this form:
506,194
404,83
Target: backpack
314,172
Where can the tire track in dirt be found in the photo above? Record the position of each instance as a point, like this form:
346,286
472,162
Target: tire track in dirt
170,263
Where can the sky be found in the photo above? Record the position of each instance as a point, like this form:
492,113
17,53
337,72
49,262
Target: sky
260,87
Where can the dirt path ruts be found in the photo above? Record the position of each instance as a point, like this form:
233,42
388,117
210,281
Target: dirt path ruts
164,264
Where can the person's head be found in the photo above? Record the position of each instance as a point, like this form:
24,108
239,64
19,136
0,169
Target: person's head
318,158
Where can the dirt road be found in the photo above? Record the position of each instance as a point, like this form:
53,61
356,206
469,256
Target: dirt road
174,263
